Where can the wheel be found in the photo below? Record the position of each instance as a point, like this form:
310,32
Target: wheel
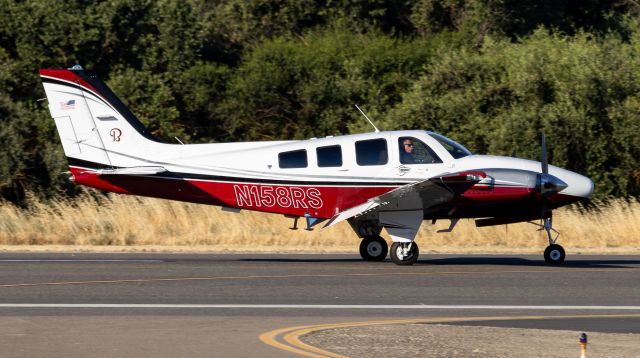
401,256
554,254
373,248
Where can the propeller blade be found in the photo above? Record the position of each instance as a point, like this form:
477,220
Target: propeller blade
545,170
543,155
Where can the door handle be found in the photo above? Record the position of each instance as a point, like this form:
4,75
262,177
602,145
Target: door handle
402,170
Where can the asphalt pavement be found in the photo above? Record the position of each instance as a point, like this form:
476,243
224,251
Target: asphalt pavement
220,305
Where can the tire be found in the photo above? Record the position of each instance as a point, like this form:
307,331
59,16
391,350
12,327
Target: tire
373,248
554,254
399,259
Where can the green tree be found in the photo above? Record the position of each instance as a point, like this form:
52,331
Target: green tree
31,158
300,88
150,99
578,91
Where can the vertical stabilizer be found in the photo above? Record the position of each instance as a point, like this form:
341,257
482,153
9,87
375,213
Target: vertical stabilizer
95,127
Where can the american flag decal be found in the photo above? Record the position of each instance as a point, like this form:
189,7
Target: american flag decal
70,104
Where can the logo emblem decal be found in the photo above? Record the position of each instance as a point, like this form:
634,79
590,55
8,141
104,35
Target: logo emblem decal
115,134
70,104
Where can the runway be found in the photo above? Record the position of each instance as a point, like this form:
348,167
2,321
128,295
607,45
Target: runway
196,305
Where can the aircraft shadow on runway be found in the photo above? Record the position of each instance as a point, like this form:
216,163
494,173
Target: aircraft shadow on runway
516,261
475,260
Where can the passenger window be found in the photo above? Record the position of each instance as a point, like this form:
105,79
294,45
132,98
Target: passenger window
293,159
413,151
330,156
372,152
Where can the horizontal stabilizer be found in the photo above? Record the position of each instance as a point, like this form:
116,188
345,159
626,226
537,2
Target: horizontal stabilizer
132,171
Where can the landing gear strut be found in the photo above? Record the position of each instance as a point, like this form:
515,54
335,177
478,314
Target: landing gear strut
554,253
404,253
373,248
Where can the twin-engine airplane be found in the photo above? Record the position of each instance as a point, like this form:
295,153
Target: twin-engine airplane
392,180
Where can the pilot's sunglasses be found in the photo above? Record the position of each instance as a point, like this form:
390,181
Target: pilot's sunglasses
409,145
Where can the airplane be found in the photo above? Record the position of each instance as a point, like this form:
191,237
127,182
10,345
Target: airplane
390,180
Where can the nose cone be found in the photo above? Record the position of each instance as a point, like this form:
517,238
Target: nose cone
585,187
577,185
549,184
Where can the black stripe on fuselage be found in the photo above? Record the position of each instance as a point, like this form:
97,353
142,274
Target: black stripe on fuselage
74,162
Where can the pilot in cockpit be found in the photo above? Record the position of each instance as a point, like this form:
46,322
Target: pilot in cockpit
406,152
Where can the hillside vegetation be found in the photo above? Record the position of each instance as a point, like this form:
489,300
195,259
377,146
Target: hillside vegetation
491,74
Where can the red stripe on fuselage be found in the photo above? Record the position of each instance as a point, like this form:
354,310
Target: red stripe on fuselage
315,200
496,194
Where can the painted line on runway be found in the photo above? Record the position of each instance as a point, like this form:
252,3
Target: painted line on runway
83,260
322,307
554,271
289,339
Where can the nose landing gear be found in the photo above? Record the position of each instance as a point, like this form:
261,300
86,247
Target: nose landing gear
554,253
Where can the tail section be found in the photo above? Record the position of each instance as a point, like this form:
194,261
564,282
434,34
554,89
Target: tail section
96,129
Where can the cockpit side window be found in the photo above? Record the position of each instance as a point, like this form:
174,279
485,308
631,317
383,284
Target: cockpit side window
414,151
454,148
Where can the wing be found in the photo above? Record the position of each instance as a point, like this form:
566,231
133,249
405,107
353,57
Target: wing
420,195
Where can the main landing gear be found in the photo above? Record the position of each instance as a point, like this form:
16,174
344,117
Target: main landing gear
402,226
554,253
404,253
373,248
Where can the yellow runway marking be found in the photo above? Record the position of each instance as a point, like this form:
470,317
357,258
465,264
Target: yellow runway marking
293,343
381,274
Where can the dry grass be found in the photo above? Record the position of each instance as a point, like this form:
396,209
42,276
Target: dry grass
153,224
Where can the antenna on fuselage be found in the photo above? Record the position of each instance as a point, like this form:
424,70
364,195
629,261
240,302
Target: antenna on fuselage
365,116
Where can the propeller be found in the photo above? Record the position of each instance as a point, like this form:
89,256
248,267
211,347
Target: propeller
543,155
547,183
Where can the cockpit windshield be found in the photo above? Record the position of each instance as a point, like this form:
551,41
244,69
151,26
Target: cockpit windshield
454,148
